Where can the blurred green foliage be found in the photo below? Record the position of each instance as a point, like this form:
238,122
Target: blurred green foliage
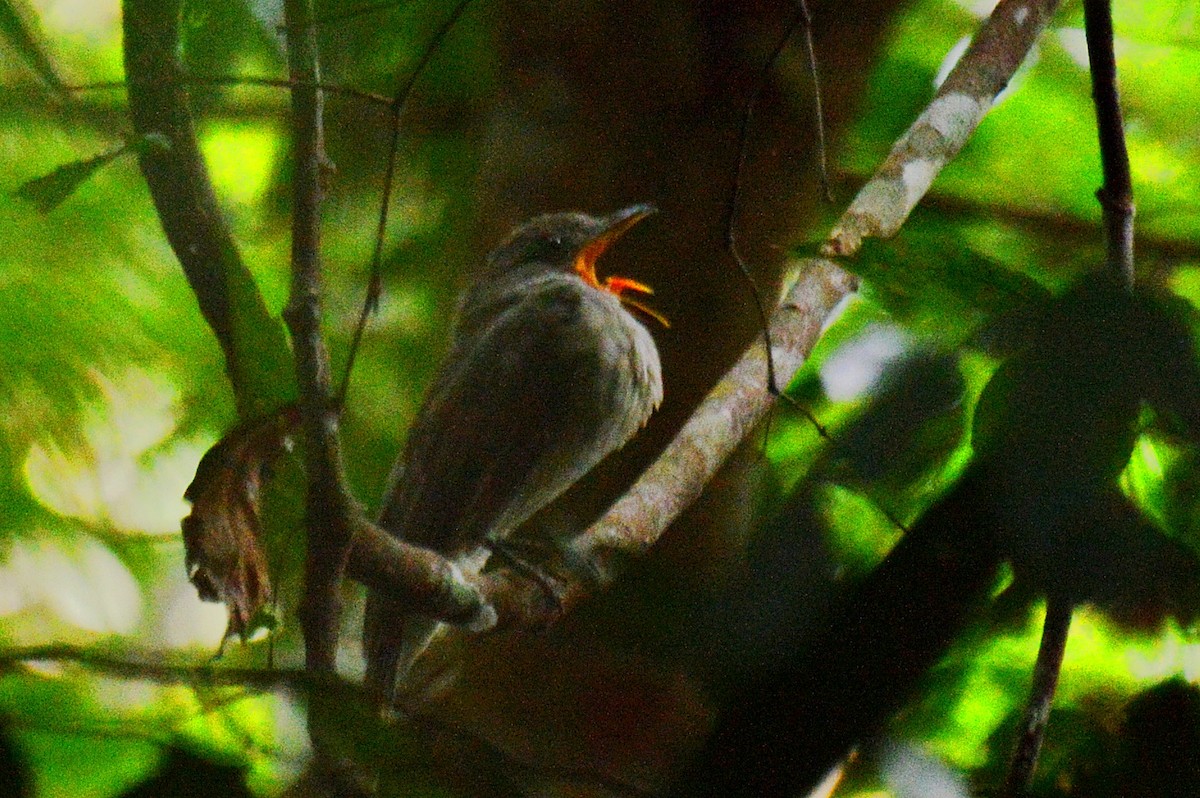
113,387
1011,221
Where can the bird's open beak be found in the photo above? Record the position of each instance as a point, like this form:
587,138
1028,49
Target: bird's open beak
585,262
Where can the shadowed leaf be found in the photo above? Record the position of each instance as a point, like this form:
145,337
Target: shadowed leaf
51,190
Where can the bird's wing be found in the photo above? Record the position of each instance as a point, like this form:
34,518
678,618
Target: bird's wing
513,417
537,389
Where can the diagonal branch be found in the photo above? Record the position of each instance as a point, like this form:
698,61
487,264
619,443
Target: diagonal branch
966,96
740,400
256,356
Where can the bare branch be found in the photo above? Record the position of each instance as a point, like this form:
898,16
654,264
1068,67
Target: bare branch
883,205
240,80
339,537
1116,200
735,195
1116,193
1041,694
255,352
397,104
329,505
421,578
740,399
814,72
155,666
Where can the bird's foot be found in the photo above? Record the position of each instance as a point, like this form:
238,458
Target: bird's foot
515,554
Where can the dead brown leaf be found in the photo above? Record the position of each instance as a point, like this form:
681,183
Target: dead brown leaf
223,537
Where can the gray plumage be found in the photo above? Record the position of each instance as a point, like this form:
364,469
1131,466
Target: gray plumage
546,375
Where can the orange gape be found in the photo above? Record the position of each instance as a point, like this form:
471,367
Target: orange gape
585,267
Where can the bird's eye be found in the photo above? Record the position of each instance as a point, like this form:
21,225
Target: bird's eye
552,248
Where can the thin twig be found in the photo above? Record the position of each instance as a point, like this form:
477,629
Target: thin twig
814,72
735,196
155,666
1116,192
242,80
1055,629
1116,199
375,282
735,199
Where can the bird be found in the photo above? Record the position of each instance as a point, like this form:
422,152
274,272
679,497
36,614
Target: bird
548,371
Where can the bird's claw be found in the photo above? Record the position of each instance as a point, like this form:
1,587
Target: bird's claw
511,553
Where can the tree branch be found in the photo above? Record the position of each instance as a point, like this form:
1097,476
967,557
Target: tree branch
368,97
1041,694
256,356
421,578
1116,201
329,504
155,666
741,398
257,359
1116,192
999,47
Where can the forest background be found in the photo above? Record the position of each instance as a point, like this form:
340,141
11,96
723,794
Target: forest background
114,386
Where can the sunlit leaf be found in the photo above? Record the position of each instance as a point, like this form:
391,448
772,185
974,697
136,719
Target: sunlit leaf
79,580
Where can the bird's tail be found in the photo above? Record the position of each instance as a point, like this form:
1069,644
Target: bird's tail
392,640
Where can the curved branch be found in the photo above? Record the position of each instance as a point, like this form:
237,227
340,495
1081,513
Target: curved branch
741,398
256,355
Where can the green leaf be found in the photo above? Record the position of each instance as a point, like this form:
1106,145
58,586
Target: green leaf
935,286
51,190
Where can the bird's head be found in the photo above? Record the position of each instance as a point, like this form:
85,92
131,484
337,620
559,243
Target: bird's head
572,243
